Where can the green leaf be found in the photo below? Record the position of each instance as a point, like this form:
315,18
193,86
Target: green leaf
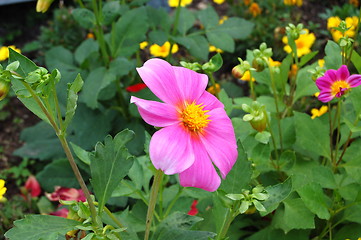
324,176
353,213
40,227
71,105
208,17
223,97
315,200
198,47
26,65
111,10
109,165
158,37
186,21
306,58
305,85
81,153
235,27
97,80
221,40
85,49
294,216
84,17
355,96
217,61
277,193
57,173
356,60
352,160
60,58
333,59
263,137
240,175
177,225
312,134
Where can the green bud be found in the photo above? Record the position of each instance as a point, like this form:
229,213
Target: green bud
241,68
4,88
257,115
192,66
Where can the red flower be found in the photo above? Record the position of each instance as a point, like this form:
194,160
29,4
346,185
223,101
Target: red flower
66,194
136,87
33,186
62,212
194,210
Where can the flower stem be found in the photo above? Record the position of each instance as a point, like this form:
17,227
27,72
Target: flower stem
226,224
251,86
331,130
338,118
152,201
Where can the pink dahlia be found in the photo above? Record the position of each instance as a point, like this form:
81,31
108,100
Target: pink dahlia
196,130
336,83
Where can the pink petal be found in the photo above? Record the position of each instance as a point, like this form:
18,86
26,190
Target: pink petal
331,74
202,173
220,141
156,113
343,73
190,83
323,83
354,80
159,76
170,149
325,96
209,101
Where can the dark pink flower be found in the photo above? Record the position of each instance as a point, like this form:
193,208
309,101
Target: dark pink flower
196,131
66,194
336,83
62,212
33,186
194,210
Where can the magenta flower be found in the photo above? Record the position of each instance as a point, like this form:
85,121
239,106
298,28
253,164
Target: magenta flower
196,130
336,83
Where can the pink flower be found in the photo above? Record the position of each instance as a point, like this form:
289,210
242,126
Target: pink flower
194,210
33,186
66,194
196,130
336,83
62,212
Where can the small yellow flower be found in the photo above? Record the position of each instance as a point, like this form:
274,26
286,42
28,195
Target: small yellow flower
293,72
254,9
321,63
303,43
274,63
318,112
293,2
219,1
214,90
316,94
221,21
183,3
247,77
90,35
2,188
214,49
351,23
162,51
143,45
4,52
43,5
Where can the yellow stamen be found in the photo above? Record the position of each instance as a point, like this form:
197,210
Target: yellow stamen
194,117
339,87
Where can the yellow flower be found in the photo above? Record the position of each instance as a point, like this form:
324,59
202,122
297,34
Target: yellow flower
351,23
303,43
247,2
43,5
316,94
247,76
143,45
162,51
274,63
333,22
254,9
214,90
318,112
2,188
355,3
321,62
4,52
219,1
221,21
293,2
183,3
90,35
214,49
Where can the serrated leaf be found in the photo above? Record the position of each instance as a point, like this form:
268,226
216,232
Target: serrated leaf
44,227
109,165
71,105
240,175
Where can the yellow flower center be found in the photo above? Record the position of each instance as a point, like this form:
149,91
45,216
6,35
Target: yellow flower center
194,117
338,88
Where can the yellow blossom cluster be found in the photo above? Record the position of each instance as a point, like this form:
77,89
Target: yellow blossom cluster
318,112
351,22
303,43
298,3
162,51
4,52
2,188
183,3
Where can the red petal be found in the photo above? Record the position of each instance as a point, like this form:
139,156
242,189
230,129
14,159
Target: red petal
136,87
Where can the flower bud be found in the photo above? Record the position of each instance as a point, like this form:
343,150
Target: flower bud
237,71
4,88
258,64
43,5
257,116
